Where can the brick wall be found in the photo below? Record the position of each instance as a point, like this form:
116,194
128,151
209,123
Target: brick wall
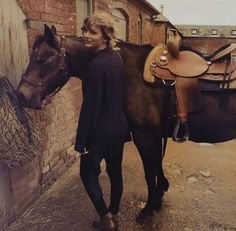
61,13
152,33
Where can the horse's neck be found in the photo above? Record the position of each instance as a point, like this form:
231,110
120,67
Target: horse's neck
133,55
77,55
73,45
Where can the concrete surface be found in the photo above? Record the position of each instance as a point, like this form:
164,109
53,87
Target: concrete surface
202,194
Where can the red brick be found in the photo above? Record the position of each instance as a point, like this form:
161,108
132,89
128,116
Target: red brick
33,33
24,5
54,161
66,14
58,168
49,17
52,3
63,6
33,15
52,11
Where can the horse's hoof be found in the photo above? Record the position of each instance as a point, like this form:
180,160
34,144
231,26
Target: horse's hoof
145,215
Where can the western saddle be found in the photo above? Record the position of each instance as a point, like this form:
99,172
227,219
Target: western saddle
186,69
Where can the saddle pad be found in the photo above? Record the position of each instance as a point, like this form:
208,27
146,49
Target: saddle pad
220,67
147,72
218,77
216,85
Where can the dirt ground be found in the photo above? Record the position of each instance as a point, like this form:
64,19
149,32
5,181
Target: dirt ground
201,197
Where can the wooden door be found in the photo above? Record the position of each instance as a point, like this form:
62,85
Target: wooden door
14,53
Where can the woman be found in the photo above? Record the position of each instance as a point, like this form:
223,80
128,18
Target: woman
102,129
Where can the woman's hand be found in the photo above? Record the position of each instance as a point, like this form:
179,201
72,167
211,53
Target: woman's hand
84,152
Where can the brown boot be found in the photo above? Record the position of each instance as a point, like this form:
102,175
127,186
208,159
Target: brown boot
106,223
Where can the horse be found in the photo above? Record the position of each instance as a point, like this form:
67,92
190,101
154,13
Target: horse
55,58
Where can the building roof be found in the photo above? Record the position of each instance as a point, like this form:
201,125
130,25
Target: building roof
157,16
206,30
150,6
160,18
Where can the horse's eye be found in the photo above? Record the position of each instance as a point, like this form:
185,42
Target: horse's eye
41,60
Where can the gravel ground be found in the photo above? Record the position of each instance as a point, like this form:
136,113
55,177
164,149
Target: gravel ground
201,197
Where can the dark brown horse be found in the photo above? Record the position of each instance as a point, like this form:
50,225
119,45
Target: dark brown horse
55,58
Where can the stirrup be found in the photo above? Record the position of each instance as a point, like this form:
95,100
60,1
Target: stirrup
176,131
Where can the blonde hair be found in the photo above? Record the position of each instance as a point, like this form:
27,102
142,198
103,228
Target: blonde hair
105,22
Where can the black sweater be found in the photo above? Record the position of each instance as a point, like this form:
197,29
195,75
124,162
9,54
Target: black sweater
102,116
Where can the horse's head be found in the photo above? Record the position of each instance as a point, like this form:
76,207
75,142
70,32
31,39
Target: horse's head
54,58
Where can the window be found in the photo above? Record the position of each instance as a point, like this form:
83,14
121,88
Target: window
214,32
194,32
233,32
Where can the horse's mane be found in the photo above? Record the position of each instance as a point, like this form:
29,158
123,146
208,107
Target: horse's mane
124,44
41,38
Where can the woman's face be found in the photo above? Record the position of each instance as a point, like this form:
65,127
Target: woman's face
93,38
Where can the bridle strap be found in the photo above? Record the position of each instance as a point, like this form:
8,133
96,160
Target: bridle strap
40,84
62,62
32,83
61,65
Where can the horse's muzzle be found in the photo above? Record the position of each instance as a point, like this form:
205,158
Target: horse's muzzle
33,103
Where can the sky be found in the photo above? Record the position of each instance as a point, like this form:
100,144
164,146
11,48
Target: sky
202,12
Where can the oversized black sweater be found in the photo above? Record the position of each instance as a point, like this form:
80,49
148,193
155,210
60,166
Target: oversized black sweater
102,118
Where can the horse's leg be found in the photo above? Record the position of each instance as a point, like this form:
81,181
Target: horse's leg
162,182
150,149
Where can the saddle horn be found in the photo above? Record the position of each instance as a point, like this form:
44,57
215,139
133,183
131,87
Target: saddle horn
173,43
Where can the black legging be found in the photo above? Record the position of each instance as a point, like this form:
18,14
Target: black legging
90,170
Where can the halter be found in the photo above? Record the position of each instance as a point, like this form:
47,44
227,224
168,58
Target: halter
62,62
61,66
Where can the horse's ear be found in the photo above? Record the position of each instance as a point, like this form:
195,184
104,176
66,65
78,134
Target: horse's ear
54,30
49,35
